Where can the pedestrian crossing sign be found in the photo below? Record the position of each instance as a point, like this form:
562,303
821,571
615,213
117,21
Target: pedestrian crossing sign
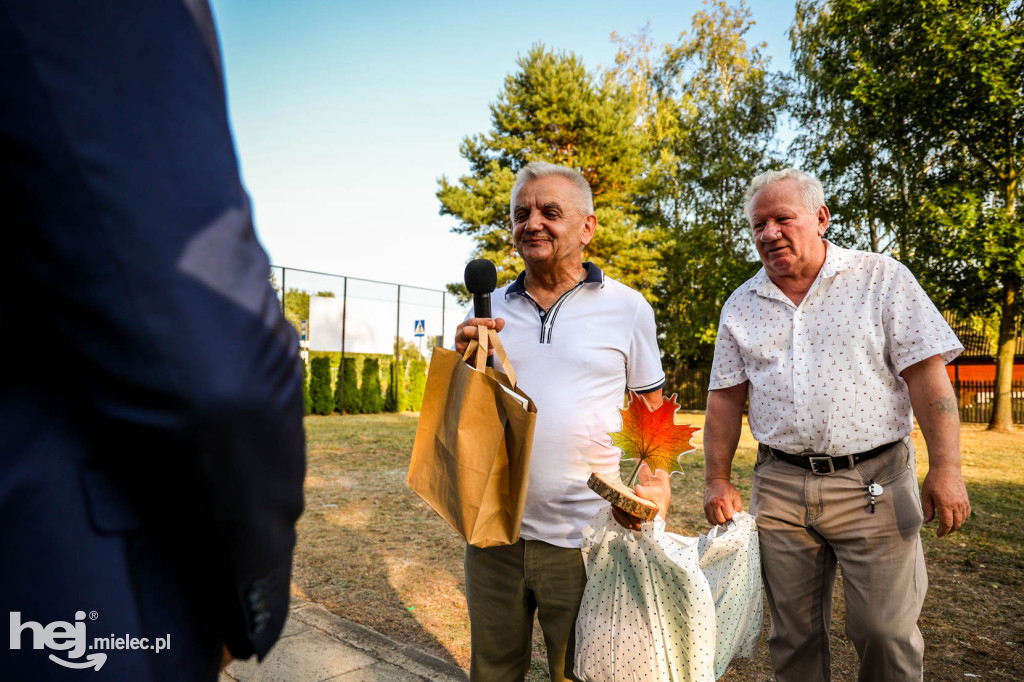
419,327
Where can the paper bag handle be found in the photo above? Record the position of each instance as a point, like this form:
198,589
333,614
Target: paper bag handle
487,337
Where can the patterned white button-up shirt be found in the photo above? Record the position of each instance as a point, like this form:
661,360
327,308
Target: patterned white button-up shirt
824,375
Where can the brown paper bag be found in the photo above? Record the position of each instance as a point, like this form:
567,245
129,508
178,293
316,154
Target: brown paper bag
471,458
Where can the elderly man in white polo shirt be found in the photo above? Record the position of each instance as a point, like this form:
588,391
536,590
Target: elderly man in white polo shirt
577,340
834,348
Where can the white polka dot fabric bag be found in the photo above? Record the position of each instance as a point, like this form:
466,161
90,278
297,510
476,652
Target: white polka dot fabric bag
647,613
730,558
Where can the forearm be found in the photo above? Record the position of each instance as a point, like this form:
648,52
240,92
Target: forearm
721,436
943,494
722,428
654,399
935,407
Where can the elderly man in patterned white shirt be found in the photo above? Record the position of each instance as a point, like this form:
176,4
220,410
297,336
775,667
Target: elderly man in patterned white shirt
837,351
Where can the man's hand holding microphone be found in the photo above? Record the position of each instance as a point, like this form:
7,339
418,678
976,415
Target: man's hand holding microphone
481,278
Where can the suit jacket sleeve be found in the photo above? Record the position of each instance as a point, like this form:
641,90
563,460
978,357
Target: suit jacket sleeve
131,231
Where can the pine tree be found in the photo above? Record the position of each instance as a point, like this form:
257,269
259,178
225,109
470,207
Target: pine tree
402,389
339,389
417,383
373,399
391,396
350,378
320,386
553,110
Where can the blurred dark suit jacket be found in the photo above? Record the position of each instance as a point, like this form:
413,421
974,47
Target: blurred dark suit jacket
151,443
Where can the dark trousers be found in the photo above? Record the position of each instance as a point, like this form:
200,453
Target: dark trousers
505,587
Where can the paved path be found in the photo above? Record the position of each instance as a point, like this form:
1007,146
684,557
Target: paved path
317,646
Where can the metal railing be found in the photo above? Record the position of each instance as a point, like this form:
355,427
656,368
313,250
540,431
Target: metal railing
976,399
418,312
421,316
691,389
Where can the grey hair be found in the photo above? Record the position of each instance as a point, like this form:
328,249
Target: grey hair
811,191
541,169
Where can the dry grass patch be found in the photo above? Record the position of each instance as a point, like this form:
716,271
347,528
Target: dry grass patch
372,552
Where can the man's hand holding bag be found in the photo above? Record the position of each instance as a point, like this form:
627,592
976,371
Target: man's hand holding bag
471,458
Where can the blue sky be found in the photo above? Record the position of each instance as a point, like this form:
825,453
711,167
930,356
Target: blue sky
346,113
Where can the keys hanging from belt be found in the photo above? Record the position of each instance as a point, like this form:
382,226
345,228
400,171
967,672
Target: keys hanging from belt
874,490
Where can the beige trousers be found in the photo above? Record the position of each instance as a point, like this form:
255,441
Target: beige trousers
808,523
505,586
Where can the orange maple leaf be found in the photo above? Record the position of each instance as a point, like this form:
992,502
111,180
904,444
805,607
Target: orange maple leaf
652,436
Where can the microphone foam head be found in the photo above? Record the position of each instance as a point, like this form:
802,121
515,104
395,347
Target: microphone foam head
481,276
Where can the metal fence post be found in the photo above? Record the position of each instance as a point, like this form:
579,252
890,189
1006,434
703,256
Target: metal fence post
398,335
341,367
444,299
284,290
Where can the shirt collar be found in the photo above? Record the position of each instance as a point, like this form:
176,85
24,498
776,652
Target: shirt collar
594,276
837,259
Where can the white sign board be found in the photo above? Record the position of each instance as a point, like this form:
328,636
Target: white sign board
369,326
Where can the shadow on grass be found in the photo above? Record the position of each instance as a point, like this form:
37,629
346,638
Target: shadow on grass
971,619
369,549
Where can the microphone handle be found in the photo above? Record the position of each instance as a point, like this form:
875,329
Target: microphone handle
482,308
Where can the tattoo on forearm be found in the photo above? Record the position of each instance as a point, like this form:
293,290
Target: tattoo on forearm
944,405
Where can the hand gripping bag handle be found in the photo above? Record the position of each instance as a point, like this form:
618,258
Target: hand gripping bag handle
487,337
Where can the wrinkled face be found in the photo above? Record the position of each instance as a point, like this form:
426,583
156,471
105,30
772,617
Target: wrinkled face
786,234
548,228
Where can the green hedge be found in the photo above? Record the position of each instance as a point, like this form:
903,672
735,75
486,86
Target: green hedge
320,386
373,399
352,403
395,398
417,383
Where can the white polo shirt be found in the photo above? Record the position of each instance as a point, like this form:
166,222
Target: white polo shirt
824,375
576,362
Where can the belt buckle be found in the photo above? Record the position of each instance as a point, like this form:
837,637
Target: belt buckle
815,462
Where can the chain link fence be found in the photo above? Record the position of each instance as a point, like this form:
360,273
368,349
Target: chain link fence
375,317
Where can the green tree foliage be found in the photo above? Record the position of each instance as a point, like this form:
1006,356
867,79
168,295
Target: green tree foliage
372,398
395,384
296,305
347,398
872,172
410,352
709,109
353,396
553,110
339,390
941,82
320,386
417,383
402,388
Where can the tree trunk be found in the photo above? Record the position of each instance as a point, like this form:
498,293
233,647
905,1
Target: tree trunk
1002,409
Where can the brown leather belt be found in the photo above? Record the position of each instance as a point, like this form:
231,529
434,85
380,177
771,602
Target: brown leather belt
825,464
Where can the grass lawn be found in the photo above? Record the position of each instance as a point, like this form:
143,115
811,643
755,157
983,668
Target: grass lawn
371,551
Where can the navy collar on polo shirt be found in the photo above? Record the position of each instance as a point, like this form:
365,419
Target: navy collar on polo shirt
547,317
594,276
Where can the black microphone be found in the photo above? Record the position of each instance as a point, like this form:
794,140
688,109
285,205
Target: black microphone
481,278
